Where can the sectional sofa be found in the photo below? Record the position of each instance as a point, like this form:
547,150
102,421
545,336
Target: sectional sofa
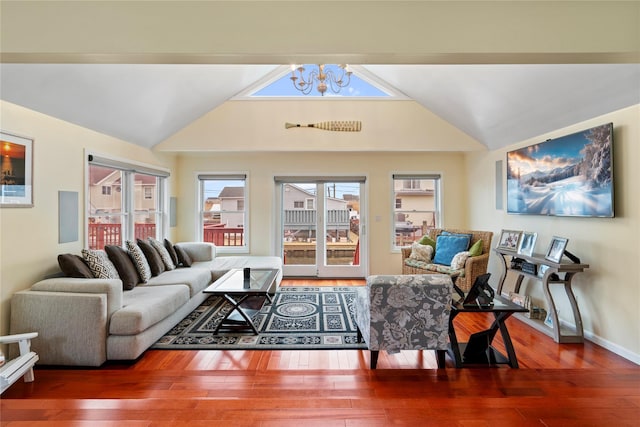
87,321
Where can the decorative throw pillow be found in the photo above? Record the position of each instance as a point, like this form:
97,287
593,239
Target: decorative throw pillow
73,265
447,246
124,264
448,233
153,258
172,251
426,240
164,254
183,257
421,252
99,264
459,259
476,248
140,261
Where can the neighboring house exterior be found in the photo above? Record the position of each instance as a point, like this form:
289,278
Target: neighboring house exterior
415,205
231,207
300,214
105,194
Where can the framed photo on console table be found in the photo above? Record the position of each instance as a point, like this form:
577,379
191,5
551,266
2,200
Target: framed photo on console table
509,240
556,249
527,243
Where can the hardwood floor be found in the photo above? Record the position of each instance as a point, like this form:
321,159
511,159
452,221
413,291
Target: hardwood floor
556,385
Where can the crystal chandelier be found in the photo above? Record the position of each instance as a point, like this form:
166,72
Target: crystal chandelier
330,77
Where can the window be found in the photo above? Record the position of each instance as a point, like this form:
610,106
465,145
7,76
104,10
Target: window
411,184
127,213
416,207
223,211
298,204
311,204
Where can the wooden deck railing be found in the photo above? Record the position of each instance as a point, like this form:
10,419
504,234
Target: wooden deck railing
101,235
220,235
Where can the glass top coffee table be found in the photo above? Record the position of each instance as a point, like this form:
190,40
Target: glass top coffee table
236,289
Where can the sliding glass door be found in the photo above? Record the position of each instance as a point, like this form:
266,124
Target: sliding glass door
321,226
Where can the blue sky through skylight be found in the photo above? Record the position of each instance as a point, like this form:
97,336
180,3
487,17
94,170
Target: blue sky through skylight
283,87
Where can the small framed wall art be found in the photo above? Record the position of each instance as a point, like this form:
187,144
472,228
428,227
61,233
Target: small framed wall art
16,171
509,240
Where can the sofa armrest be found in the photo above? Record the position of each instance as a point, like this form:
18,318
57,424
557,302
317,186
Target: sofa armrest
199,251
111,287
72,327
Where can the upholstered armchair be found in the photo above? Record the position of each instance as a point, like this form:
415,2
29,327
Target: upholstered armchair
464,277
404,312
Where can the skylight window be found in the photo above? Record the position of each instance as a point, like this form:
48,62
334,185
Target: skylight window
282,87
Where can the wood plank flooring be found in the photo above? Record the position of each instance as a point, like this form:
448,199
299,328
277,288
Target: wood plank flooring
556,385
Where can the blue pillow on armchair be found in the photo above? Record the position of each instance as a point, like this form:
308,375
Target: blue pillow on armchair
448,246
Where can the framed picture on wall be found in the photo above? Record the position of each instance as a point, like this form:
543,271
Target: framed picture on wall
16,171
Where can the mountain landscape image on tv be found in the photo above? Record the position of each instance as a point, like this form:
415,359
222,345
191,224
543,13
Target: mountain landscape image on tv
567,176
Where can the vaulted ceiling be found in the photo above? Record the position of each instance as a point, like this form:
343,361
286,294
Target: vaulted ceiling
497,105
500,72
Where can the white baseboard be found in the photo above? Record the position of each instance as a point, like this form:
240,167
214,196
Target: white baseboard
614,348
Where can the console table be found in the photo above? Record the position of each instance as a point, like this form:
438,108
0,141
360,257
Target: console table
548,272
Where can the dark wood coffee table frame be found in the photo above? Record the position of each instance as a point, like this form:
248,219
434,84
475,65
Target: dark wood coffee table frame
479,350
234,289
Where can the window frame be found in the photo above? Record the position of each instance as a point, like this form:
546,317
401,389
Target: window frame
436,177
200,199
128,169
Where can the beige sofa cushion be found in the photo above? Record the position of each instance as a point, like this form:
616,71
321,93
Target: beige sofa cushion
196,278
144,306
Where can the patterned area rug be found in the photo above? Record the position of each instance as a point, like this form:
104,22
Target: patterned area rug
299,318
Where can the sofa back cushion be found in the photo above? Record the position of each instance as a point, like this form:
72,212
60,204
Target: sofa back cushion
163,252
184,259
123,263
100,264
153,258
172,251
73,265
139,260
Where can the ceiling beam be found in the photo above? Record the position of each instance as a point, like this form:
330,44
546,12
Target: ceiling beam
282,32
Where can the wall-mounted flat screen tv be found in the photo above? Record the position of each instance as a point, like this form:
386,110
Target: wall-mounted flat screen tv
567,176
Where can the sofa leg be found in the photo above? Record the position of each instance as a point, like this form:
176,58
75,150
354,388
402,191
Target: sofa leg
374,358
440,357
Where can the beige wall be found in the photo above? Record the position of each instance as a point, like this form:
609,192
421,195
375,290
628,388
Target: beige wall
259,126
29,236
377,167
608,293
